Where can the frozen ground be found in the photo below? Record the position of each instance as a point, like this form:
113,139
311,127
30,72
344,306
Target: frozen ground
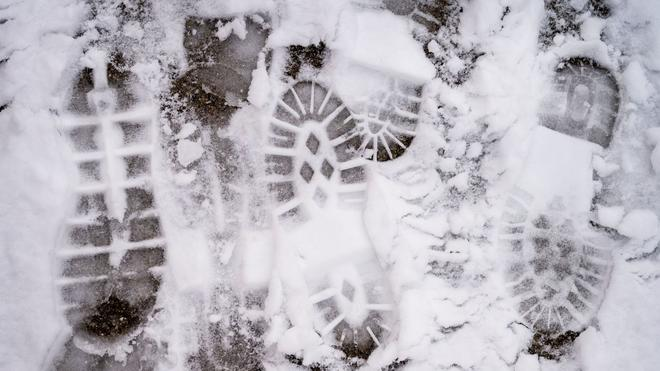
329,185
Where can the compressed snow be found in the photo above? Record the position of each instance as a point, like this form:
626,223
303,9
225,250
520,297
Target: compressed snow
359,41
447,165
639,224
559,167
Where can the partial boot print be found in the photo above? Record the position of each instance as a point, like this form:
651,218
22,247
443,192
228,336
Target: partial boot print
113,249
317,177
584,101
312,142
220,73
388,121
557,273
222,54
388,100
558,265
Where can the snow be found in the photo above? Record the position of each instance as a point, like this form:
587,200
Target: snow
358,41
260,87
634,75
429,225
629,324
235,26
591,28
188,151
603,168
639,224
610,216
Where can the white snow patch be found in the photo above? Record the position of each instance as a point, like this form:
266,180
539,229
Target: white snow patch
640,88
188,151
133,30
603,168
236,26
629,323
447,165
639,224
185,177
527,362
186,130
610,216
321,19
360,38
474,150
459,181
260,86
591,28
455,64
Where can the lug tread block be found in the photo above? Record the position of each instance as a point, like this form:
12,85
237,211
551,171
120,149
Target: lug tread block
138,199
137,166
140,260
96,235
91,203
85,294
87,266
141,229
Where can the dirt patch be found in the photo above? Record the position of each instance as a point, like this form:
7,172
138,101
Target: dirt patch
299,56
551,345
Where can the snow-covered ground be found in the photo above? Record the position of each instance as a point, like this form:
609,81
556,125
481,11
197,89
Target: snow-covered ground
346,184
